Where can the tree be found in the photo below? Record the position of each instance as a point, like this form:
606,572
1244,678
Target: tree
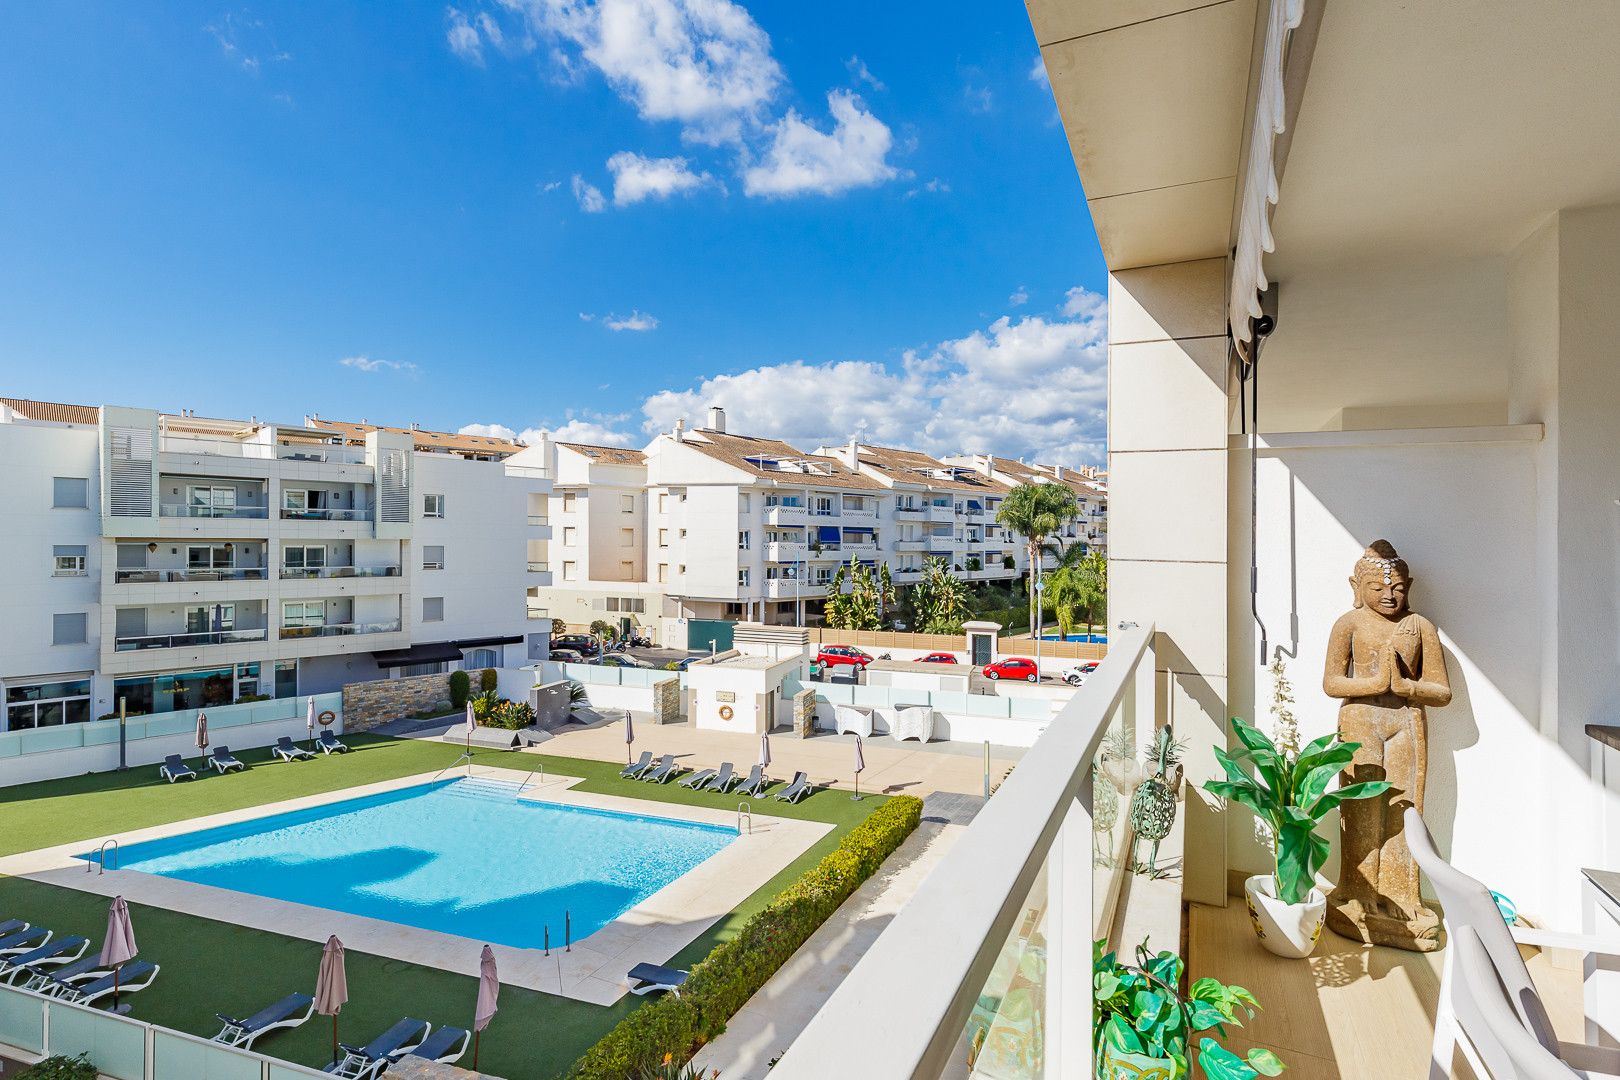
1035,512
1079,584
940,600
859,607
601,628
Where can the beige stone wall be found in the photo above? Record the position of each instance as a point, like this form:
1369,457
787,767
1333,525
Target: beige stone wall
415,1068
667,701
804,712
367,704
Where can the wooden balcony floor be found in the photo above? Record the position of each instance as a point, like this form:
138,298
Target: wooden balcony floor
1350,1012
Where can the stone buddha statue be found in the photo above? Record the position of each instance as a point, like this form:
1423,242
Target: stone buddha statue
1386,664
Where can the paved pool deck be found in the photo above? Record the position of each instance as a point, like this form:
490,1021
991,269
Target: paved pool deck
591,970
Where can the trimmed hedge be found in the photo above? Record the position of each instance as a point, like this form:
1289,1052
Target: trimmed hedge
675,1026
460,687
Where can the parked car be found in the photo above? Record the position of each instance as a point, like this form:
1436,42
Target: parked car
1014,667
832,656
620,659
583,644
567,656
938,658
1078,674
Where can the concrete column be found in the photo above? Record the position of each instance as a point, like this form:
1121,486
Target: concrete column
1168,411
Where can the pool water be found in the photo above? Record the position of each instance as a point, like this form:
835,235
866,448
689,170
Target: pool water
1093,639
460,857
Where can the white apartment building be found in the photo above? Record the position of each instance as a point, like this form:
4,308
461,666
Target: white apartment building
179,561
597,555
1089,527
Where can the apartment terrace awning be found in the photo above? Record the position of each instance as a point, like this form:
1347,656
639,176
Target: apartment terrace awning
437,651
827,534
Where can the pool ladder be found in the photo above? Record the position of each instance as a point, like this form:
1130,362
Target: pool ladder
524,786
467,757
745,810
101,857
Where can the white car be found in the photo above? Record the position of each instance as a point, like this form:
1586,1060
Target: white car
1078,674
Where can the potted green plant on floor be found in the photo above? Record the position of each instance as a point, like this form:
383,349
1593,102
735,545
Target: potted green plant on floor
1289,791
1145,1026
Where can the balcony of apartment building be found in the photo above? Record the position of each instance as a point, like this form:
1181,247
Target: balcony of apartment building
305,450
972,509
792,587
339,560
911,543
159,568
539,563
910,508
539,521
187,626
941,508
789,510
786,551
211,507
317,620
858,510
325,503
859,542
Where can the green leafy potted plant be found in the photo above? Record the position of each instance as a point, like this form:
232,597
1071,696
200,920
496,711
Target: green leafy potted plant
1289,791
1145,1027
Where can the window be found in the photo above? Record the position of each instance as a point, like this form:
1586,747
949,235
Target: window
310,560
432,609
682,534
742,540
49,704
69,629
294,499
303,613
435,667
570,536
742,502
627,504
663,572
663,501
70,492
69,559
205,501
480,658
681,569
742,578
663,538
627,568
433,506
569,499
208,557
570,570
627,538
433,556
823,506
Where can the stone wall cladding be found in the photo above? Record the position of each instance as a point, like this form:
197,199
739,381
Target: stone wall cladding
667,701
367,704
415,1068
804,712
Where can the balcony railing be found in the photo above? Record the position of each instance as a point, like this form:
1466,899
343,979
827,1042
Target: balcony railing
911,509
133,643
362,514
297,572
785,515
539,520
183,510
1027,867
195,573
181,444
539,567
387,626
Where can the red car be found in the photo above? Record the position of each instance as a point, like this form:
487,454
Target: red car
831,656
937,658
1014,667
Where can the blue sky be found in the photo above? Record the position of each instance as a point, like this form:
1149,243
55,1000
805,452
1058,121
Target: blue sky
832,219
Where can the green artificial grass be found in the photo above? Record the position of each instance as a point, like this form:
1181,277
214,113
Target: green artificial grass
211,966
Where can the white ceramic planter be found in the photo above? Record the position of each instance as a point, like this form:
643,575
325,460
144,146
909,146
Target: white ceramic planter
1288,930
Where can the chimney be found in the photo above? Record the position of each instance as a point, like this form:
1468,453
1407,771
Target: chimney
680,430
852,455
1057,471
415,426
717,419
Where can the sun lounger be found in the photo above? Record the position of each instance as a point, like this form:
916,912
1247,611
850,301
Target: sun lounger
84,969
287,750
445,1045
223,760
365,1062
134,977
666,769
289,1012
330,744
647,978
723,779
11,926
51,954
756,783
642,764
699,779
798,789
173,768
23,941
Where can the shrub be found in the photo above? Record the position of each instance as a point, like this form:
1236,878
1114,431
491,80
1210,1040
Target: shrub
488,680
460,684
58,1067
509,715
483,706
670,1029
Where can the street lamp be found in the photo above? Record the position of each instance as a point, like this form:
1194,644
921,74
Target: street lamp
1040,587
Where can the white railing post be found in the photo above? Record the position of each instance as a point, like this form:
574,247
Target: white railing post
1070,914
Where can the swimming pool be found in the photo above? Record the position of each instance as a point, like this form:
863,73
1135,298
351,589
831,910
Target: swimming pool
1093,639
460,857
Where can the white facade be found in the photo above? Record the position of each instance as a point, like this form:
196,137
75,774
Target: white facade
178,561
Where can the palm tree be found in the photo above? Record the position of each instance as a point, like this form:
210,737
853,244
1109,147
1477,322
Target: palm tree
1080,583
940,600
1035,512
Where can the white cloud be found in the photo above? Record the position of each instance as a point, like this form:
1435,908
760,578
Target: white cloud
367,364
587,431
802,159
1037,74
935,186
550,186
705,64
978,98
636,178
463,37
1035,387
639,321
1081,302
589,196
489,431
1019,298
863,74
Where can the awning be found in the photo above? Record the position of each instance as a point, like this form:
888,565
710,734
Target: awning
434,652
827,534
973,504
859,529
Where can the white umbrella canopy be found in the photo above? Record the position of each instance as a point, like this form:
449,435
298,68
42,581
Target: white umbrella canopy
629,734
764,751
489,992
331,986
860,765
309,717
120,944
202,734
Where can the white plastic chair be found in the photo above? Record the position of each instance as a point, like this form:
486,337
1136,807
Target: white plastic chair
1466,903
1488,1022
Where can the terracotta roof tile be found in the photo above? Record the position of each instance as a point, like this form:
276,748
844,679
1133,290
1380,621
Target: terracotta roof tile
425,439
737,450
54,412
607,455
915,467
